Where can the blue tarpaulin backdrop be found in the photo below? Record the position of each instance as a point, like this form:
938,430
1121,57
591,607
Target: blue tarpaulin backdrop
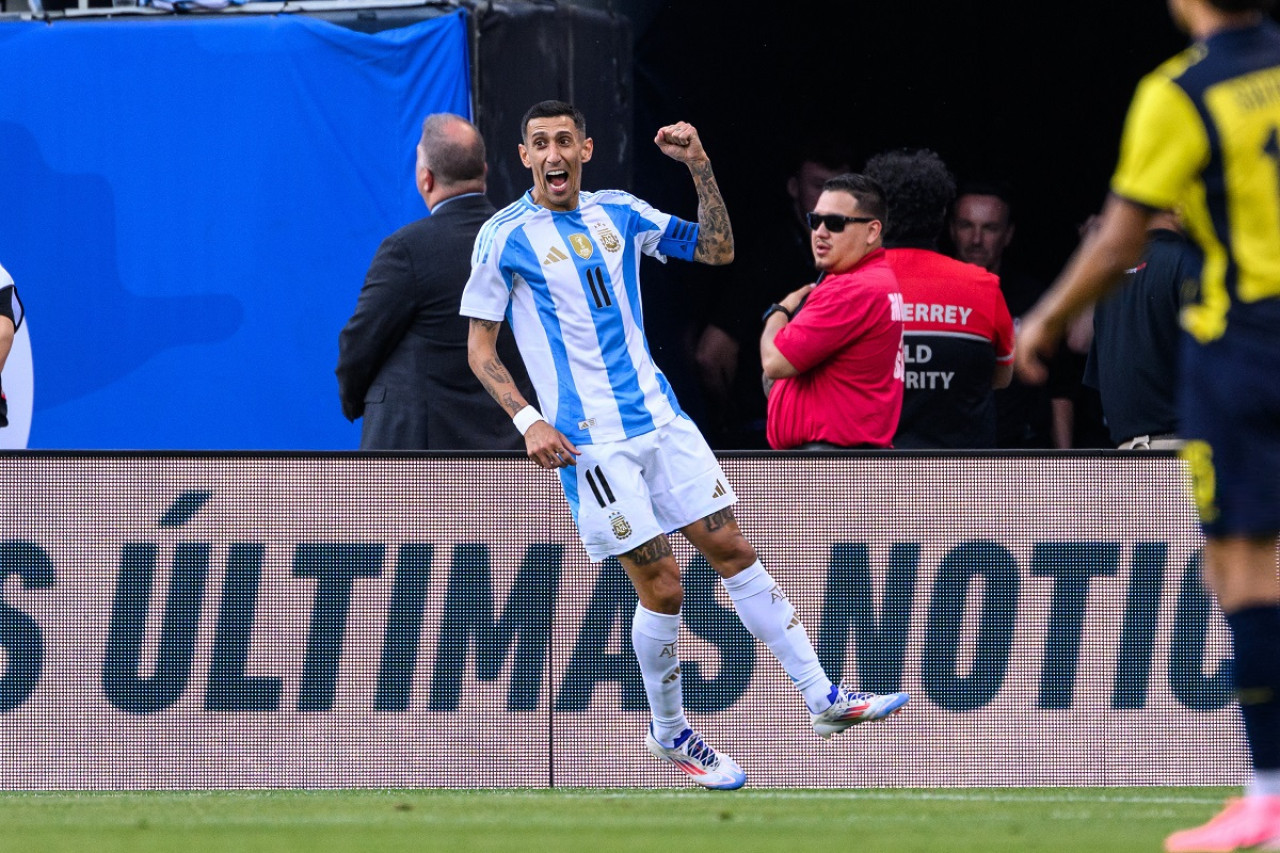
190,207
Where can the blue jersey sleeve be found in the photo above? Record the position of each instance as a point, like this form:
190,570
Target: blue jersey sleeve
679,239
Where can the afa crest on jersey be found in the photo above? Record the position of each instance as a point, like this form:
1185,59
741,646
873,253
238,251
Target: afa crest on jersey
621,527
608,237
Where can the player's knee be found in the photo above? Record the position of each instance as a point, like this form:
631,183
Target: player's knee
730,555
665,594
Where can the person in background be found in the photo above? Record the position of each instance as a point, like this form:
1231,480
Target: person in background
562,266
958,335
772,258
1202,137
832,351
10,320
402,357
981,228
1134,358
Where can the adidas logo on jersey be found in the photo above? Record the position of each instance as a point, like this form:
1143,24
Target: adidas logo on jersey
556,254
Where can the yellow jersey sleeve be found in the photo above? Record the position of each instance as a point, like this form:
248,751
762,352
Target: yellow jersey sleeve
1164,147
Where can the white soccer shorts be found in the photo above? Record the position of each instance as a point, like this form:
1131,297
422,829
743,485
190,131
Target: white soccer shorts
624,493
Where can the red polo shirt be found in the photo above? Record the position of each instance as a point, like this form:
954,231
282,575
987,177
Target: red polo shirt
846,343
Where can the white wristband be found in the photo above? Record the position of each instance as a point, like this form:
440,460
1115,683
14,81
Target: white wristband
527,417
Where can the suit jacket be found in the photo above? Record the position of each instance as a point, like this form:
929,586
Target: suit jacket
402,357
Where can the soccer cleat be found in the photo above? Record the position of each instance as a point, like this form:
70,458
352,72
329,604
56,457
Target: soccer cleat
849,709
703,764
1246,822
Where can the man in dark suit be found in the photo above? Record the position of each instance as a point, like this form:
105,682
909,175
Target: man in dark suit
402,357
10,320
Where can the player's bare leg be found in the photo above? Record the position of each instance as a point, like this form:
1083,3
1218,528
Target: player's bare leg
655,636
1242,573
770,617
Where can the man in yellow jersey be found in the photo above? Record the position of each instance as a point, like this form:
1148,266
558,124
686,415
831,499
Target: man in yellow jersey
1203,136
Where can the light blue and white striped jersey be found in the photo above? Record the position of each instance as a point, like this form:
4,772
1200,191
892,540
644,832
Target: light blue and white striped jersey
569,285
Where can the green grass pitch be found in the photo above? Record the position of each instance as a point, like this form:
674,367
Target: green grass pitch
990,820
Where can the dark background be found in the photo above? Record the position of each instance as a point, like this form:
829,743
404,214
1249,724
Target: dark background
1031,93
1034,92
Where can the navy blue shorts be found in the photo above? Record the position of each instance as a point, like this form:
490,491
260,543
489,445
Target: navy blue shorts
1230,410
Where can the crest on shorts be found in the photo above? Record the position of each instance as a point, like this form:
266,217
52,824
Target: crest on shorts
621,527
581,245
608,237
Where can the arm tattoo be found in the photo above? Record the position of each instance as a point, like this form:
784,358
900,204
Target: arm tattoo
496,381
718,519
650,552
485,324
497,371
715,236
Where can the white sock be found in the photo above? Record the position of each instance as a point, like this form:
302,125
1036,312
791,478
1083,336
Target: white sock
770,617
654,637
1264,783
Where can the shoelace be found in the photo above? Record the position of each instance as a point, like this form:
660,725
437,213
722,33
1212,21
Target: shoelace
697,749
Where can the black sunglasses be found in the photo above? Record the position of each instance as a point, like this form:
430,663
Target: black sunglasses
834,221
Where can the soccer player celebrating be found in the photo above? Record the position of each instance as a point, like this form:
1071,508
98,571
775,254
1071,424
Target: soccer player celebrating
1203,136
562,265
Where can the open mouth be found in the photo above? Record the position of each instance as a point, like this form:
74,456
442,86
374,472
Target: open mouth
558,180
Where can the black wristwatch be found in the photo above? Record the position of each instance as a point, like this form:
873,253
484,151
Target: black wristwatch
775,307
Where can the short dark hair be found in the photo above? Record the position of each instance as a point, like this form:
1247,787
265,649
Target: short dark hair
919,189
869,194
453,157
992,187
553,109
